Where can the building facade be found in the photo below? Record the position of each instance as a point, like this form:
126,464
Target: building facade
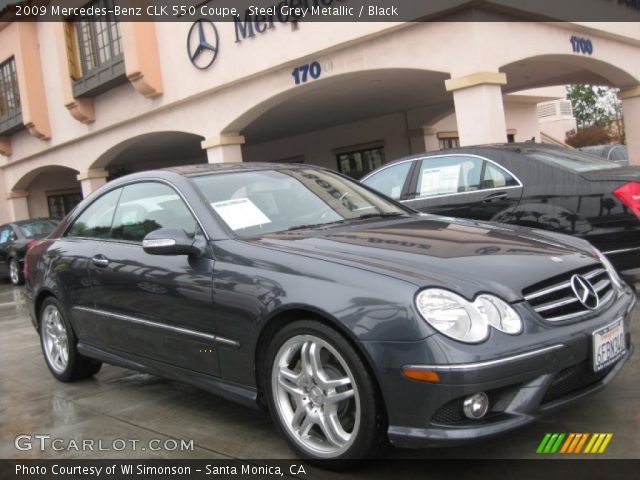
83,102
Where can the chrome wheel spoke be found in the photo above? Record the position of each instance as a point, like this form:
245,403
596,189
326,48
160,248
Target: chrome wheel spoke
292,389
332,430
310,359
337,397
336,383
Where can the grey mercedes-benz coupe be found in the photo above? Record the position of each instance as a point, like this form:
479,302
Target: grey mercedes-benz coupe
350,317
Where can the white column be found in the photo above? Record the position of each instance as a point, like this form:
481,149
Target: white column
224,149
431,143
18,205
91,180
631,116
479,108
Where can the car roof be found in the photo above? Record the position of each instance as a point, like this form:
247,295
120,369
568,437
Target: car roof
204,168
476,149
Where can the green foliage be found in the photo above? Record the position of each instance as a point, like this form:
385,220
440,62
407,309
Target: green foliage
594,106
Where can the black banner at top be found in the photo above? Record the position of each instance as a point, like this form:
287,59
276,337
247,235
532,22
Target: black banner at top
271,11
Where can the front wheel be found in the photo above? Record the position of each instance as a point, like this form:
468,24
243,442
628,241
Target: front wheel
59,345
321,394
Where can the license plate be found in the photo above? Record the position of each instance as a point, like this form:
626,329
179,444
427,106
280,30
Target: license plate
608,345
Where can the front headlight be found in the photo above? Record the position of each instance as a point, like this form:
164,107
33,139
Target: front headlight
613,274
466,321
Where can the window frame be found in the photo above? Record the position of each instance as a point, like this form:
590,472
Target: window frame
413,185
199,225
361,149
11,122
103,75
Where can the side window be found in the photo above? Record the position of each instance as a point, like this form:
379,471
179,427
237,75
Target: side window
5,232
390,180
95,221
450,174
145,207
496,177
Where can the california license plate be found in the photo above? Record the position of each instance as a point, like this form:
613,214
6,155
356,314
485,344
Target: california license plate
608,345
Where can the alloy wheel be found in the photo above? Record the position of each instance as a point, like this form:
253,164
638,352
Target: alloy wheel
55,339
316,397
14,274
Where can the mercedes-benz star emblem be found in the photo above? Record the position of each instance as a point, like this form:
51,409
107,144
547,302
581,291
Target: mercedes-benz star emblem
584,292
202,43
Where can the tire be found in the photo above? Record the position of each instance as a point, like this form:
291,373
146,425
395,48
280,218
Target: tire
15,272
321,395
58,344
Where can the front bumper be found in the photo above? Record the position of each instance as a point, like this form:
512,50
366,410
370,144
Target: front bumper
550,369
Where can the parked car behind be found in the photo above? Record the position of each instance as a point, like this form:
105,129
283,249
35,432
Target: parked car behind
534,185
15,240
350,317
615,153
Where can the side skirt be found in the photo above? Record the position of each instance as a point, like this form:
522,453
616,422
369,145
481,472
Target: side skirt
242,394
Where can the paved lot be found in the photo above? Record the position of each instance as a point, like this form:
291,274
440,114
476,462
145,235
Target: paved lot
122,404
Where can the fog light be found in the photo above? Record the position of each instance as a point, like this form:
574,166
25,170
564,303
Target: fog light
476,406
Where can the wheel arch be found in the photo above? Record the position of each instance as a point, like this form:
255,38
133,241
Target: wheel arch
288,315
38,301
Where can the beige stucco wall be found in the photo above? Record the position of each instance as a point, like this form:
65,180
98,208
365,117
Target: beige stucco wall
251,76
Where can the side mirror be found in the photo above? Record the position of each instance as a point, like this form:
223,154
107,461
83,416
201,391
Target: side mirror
169,241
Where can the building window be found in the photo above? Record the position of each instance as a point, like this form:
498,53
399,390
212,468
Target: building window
10,110
61,205
98,45
360,161
447,143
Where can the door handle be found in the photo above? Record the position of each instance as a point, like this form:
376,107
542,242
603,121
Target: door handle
100,261
496,196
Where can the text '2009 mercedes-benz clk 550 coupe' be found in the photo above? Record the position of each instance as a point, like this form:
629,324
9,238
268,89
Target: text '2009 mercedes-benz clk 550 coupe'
351,318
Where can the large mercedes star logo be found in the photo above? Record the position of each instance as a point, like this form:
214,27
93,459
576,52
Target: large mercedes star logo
202,43
584,292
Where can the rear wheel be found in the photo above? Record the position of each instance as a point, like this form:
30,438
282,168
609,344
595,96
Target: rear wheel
59,345
321,395
15,274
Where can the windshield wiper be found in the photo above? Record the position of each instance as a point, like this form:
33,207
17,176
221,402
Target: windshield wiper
311,225
379,215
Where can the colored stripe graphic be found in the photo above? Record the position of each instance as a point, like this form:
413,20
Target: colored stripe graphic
573,443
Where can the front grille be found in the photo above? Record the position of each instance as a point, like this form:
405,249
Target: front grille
554,299
572,380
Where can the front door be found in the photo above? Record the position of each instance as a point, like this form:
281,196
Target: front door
157,306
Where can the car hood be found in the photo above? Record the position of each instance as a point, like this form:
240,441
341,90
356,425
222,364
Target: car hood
465,256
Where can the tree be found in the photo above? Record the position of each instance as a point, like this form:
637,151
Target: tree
594,105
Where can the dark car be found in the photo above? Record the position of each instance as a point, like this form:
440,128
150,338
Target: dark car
615,153
533,185
349,316
15,240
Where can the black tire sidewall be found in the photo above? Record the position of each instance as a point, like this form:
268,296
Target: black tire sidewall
369,437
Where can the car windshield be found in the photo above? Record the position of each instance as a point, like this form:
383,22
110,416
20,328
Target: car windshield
37,229
260,202
571,160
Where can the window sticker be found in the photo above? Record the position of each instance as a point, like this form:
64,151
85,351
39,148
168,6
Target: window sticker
440,180
240,213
